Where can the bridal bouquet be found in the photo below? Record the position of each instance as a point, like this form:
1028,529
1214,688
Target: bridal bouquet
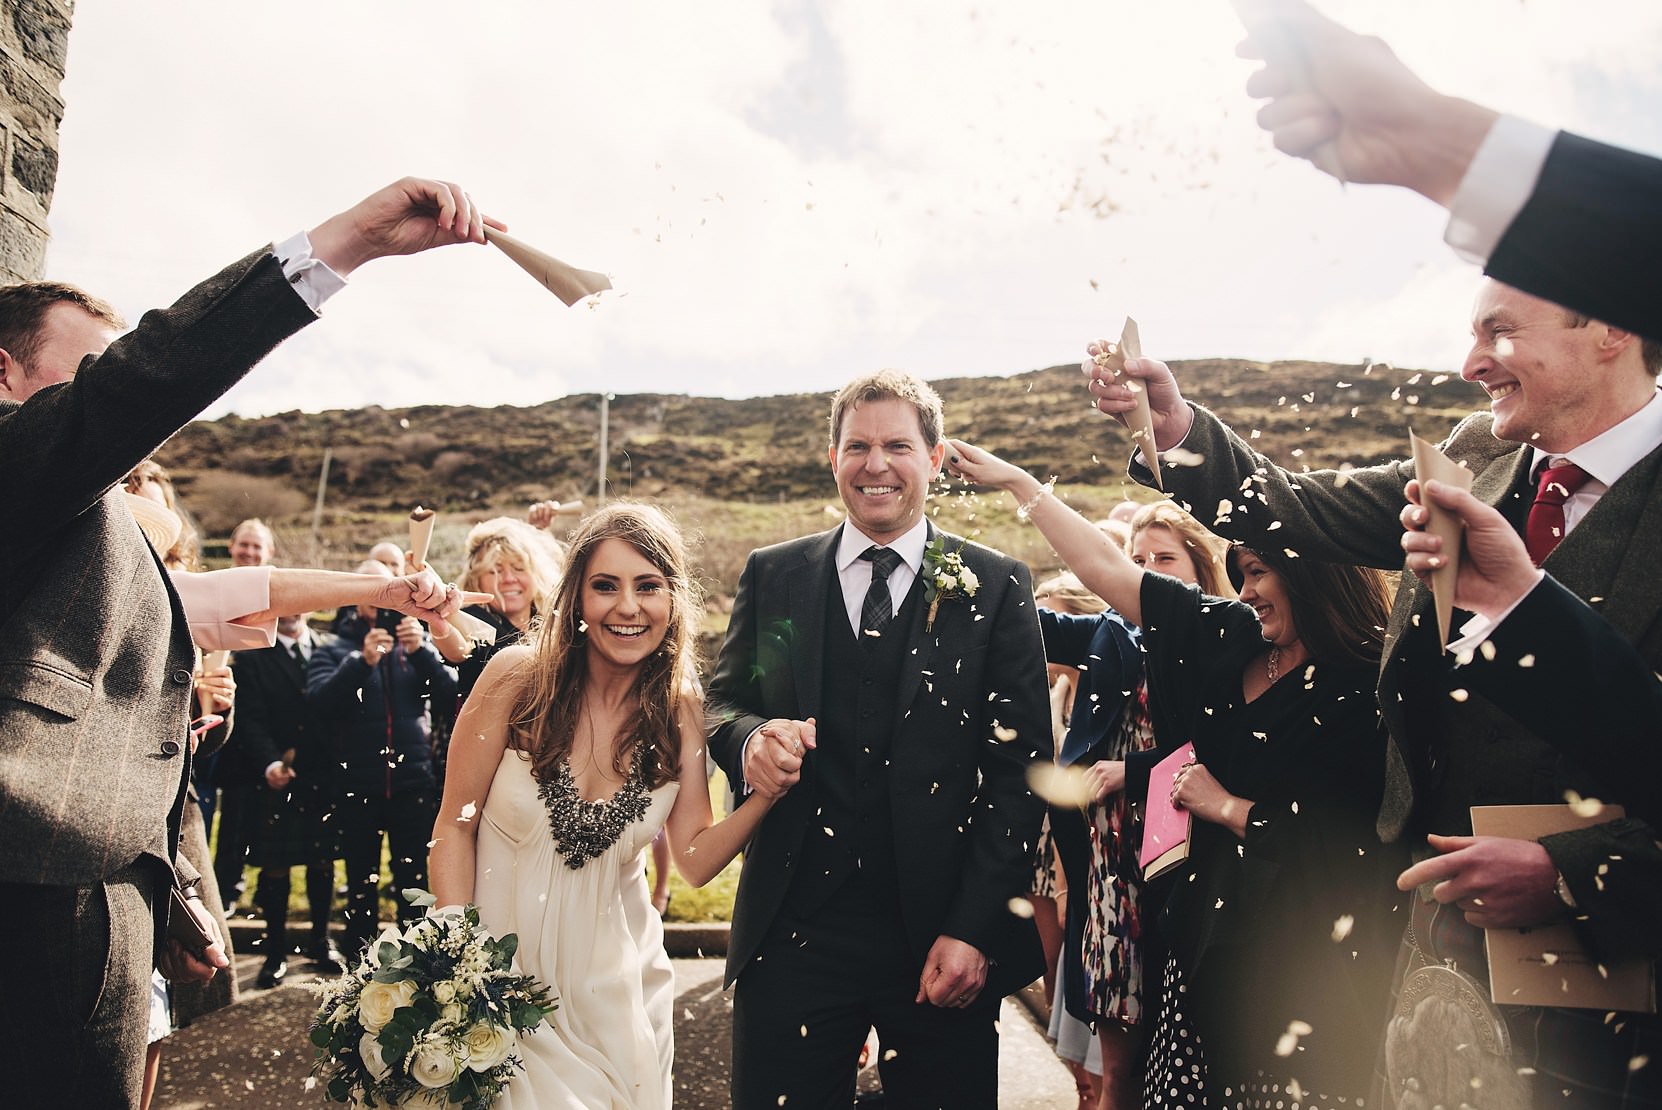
428,1018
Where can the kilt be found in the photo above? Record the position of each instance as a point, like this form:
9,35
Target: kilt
1447,1044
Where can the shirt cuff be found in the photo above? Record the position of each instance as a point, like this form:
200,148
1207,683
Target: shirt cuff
744,747
276,763
1497,185
311,277
1480,628
1141,459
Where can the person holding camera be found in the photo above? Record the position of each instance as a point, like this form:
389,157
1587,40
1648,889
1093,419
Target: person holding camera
375,695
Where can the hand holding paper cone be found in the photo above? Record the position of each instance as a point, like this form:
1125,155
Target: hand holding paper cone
1491,568
565,281
1141,419
421,536
1430,464
1279,33
211,680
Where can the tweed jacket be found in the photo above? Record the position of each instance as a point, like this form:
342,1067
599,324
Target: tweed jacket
1608,562
95,651
973,712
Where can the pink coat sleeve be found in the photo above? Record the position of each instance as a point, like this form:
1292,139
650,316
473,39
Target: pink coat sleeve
215,599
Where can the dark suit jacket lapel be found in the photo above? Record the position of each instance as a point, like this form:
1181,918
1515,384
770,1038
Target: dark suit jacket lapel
809,594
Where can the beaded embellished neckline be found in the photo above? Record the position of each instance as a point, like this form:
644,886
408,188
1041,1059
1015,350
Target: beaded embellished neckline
583,829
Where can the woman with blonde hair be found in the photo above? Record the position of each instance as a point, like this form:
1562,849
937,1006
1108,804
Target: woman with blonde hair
571,754
519,566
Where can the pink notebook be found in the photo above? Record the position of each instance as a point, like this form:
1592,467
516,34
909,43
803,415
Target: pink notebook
1165,827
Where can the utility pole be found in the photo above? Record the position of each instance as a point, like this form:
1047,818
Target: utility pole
317,509
605,429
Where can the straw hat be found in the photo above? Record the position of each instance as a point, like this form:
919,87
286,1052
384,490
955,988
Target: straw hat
160,525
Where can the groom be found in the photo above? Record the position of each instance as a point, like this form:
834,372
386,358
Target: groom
878,892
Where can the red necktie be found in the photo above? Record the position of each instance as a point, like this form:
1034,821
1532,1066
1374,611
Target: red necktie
1545,526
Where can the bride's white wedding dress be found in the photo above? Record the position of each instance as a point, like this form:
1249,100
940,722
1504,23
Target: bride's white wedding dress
589,932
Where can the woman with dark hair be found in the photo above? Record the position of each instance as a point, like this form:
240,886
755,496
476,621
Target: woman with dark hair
1276,967
1108,935
569,756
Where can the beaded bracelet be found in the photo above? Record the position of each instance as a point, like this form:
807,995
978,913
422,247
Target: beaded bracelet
1025,510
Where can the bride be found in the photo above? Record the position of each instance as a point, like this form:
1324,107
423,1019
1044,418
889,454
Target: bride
565,762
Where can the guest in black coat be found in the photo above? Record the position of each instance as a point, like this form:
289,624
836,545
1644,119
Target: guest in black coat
376,697
284,752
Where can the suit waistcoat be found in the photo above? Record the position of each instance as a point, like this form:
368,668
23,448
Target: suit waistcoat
851,759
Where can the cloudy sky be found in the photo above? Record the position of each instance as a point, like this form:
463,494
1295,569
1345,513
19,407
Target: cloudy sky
788,192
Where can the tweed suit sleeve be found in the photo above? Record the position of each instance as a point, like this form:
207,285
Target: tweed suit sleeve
1351,517
1004,823
69,443
735,694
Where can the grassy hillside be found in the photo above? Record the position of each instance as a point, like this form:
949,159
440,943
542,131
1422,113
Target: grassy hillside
749,472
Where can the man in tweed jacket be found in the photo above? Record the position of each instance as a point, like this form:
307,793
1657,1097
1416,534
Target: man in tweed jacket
1561,386
95,653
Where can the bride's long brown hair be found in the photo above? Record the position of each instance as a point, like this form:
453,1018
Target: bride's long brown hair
544,723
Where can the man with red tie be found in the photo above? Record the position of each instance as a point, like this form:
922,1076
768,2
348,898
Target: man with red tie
1570,453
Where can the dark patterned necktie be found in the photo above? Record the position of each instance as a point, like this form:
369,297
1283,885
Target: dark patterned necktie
878,609
1545,527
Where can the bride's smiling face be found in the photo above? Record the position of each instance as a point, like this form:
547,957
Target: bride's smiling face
626,604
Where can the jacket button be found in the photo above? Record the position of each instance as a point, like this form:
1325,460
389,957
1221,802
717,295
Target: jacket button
172,747
181,677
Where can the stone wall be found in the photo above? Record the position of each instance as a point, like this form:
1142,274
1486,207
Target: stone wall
34,42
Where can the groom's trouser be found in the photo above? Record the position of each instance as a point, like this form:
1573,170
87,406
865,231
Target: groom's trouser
75,990
819,983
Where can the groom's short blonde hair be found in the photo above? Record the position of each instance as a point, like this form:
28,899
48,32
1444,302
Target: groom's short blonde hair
891,385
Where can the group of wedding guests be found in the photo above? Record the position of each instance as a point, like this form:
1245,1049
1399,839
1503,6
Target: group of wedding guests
880,700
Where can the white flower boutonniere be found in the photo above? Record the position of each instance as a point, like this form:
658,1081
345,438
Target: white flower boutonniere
945,577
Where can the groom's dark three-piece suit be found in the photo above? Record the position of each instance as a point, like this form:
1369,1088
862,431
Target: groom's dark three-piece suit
95,687
912,820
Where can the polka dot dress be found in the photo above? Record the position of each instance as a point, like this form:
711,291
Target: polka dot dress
1176,1073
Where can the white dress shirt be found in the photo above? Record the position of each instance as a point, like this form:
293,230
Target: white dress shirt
311,277
854,573
1497,185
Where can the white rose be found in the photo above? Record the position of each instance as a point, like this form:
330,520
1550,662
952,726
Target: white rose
946,581
444,991
452,1014
487,1046
971,582
369,1051
379,1001
432,1064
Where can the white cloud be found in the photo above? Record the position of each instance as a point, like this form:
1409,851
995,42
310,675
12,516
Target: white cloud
785,193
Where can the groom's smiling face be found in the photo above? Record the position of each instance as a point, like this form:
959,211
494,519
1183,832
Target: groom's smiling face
884,466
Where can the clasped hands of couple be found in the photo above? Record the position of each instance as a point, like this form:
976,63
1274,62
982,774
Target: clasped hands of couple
1497,882
954,971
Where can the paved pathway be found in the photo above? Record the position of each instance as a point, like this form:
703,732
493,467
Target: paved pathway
255,1055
